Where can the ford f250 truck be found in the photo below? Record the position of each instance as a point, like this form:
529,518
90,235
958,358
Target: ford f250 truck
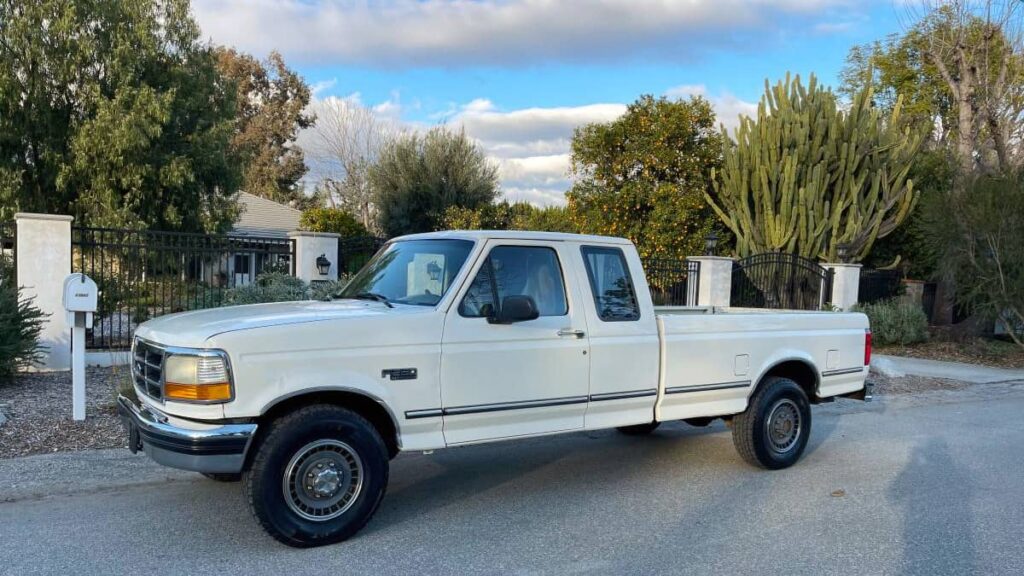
458,338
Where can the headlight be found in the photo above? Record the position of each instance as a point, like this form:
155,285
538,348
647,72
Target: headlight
197,378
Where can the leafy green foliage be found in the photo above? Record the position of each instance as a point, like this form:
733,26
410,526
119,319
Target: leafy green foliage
806,176
20,326
114,112
643,176
898,70
418,177
895,321
332,220
271,100
980,236
508,216
279,287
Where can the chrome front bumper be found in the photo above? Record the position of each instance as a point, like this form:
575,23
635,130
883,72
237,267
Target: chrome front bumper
186,445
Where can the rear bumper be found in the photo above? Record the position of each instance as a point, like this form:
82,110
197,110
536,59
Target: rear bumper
184,444
865,394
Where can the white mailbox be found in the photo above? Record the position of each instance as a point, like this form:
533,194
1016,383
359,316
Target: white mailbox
80,296
80,299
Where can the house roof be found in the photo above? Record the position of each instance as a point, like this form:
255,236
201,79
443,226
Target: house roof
262,217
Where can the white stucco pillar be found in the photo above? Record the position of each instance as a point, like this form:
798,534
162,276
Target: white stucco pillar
845,284
44,260
308,247
715,280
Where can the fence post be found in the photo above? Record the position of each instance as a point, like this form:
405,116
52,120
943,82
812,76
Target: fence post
312,245
715,284
845,284
44,260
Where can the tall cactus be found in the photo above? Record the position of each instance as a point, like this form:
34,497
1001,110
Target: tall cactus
807,176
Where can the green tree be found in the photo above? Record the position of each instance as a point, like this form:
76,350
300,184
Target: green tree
114,112
332,220
961,66
506,215
419,176
271,100
980,235
643,176
806,176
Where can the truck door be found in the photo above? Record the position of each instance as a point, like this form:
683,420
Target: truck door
523,378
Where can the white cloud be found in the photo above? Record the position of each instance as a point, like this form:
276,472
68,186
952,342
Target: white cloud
728,107
530,146
508,32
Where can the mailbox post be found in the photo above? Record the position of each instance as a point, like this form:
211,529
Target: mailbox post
80,296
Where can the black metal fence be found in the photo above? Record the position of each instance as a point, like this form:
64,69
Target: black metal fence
673,282
355,252
780,281
878,285
8,253
144,274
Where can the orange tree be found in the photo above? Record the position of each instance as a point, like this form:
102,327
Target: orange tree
643,176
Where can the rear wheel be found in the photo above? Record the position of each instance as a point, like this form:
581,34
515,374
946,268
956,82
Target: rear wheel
639,429
773,432
318,476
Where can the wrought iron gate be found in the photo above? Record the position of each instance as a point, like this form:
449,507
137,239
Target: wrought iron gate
780,281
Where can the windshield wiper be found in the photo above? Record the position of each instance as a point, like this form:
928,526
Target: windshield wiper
375,297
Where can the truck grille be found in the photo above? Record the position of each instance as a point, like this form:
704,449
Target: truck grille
147,369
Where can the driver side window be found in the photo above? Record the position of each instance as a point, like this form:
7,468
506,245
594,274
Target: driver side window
531,271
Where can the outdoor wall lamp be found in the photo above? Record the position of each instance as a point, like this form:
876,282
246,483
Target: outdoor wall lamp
843,252
710,242
434,271
323,265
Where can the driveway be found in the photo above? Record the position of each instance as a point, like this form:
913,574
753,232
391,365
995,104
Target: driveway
932,484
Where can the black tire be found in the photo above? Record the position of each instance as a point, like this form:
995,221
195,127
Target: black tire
639,429
311,434
223,476
782,401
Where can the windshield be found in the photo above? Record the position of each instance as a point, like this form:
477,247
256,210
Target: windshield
410,272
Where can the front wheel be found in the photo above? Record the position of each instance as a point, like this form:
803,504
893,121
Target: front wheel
773,432
318,476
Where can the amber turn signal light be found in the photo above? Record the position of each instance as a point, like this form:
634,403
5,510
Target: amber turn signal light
218,391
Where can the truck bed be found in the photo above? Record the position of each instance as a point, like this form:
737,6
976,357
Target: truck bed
711,357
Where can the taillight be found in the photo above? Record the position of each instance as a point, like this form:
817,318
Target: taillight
867,347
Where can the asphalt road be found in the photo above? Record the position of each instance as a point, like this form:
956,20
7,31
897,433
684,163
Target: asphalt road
927,485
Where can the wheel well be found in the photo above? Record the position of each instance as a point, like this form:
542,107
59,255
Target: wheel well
800,372
365,406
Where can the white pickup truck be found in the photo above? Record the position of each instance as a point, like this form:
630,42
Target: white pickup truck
457,338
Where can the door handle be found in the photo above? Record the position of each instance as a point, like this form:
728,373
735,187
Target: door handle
571,332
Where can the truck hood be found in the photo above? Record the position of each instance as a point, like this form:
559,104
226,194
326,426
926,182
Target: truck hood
195,327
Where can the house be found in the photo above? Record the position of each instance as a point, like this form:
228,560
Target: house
259,238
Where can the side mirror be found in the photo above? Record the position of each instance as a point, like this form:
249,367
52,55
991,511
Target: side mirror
515,309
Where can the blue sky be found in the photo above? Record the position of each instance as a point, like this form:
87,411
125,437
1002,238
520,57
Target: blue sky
518,75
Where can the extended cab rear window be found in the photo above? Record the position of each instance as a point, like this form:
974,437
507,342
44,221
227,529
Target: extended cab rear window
611,284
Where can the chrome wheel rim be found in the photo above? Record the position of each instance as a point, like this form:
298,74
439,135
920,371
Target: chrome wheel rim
323,480
783,426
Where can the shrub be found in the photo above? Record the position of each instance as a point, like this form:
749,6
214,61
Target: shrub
20,325
279,287
332,220
978,235
896,321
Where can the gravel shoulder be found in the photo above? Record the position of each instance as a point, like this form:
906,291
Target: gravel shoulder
38,411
